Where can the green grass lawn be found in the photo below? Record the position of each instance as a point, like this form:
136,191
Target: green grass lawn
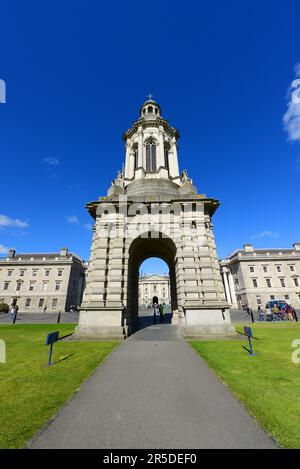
31,392
269,383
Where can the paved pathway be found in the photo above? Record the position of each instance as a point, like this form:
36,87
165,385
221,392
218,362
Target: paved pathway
40,318
153,392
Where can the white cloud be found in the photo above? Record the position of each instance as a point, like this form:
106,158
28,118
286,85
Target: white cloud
6,221
88,226
51,161
72,219
3,249
266,234
291,119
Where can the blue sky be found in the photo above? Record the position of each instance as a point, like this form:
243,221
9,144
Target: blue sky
76,74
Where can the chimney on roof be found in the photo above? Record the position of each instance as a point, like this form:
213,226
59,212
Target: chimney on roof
297,246
248,248
64,252
11,253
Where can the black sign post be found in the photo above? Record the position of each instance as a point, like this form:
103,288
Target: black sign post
50,340
248,333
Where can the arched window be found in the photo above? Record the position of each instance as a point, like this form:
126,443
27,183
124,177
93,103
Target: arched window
150,109
166,154
135,155
151,156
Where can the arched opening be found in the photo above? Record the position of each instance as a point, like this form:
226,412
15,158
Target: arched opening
150,245
154,280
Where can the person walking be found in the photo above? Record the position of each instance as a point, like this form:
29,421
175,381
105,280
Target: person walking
261,316
161,312
294,314
155,311
14,308
11,314
275,312
289,312
268,314
282,311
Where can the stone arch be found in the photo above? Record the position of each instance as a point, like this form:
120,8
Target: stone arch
150,244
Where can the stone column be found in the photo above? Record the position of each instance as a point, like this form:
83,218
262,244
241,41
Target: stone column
232,289
141,149
115,274
128,163
173,160
228,298
160,157
94,294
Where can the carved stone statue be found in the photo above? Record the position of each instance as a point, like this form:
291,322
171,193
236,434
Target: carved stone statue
184,176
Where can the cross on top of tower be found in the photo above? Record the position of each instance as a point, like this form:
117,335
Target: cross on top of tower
150,96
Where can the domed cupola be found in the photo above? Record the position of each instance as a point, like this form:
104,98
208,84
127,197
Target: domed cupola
150,109
151,147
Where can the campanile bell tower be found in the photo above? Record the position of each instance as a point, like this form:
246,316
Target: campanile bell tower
151,147
153,210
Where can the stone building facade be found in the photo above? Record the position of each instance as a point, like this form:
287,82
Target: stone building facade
52,280
255,276
154,285
153,210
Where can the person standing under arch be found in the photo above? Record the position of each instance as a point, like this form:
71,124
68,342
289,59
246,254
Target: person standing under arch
155,308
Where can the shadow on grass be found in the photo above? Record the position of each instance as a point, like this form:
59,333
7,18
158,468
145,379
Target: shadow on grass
66,336
63,359
246,337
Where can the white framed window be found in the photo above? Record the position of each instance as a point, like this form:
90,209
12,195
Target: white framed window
34,272
57,286
278,267
19,285
268,282
296,282
31,286
265,268
47,272
6,285
60,272
41,302
22,273
54,302
292,268
135,155
251,268
282,282
27,302
45,286
254,282
9,273
151,156
166,155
